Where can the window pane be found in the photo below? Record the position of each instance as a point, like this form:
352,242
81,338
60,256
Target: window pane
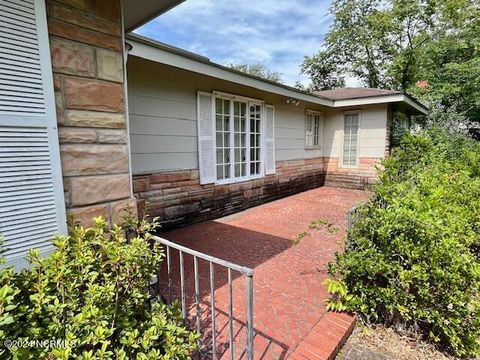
219,172
218,106
219,156
350,138
226,156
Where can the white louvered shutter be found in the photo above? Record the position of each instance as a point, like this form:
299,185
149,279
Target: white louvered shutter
269,140
31,191
206,144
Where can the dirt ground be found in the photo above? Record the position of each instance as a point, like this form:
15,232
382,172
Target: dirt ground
380,343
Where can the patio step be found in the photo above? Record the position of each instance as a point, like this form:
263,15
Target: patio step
326,338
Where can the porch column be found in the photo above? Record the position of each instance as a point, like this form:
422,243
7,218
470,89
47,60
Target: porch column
86,41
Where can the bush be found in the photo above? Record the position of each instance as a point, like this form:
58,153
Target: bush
412,258
92,293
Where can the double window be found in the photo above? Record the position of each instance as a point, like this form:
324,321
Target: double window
238,139
351,126
313,129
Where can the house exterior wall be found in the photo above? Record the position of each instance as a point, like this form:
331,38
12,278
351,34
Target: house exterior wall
163,130
87,58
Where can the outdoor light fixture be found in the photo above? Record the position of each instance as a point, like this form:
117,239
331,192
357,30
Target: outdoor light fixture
293,101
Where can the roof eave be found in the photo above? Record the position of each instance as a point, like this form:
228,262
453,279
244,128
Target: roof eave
412,103
146,10
161,53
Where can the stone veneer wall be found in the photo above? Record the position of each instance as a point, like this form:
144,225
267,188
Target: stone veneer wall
177,197
360,177
88,70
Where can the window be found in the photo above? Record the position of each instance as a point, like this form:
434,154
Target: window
351,122
238,136
313,129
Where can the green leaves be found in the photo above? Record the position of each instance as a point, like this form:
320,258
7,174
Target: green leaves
93,293
413,255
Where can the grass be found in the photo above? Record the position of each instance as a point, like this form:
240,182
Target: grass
318,224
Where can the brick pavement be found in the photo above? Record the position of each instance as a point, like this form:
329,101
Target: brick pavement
290,317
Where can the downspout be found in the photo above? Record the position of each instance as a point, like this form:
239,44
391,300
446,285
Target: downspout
126,47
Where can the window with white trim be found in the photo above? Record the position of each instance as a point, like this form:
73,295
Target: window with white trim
351,126
238,139
313,129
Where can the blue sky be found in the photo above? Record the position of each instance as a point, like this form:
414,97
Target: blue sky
276,33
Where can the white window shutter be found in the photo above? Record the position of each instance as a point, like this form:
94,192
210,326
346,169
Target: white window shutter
31,190
269,140
206,141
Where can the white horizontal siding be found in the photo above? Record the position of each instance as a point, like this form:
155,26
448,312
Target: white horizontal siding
162,105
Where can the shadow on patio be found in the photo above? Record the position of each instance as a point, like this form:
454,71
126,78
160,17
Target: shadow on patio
288,291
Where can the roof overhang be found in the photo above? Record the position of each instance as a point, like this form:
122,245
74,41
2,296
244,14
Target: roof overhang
414,106
139,12
168,55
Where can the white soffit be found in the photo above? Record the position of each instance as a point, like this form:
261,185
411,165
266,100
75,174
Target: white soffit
139,12
413,105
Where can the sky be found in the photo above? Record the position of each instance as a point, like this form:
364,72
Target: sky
275,33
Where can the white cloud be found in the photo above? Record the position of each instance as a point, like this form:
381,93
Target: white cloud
276,33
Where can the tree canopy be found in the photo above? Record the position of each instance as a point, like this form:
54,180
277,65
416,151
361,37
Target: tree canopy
394,44
258,70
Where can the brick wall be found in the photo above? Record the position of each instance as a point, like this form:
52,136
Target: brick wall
87,59
177,197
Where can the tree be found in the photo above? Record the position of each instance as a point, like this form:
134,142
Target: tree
258,70
322,70
394,44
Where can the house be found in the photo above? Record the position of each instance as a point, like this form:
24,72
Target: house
80,137
207,140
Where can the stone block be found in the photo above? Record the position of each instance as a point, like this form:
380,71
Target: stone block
76,135
69,57
88,190
86,94
81,34
108,9
110,65
85,215
87,159
59,108
169,177
80,18
95,119
119,209
141,184
112,136
85,5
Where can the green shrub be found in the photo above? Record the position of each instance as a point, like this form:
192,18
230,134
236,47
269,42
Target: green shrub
92,292
412,259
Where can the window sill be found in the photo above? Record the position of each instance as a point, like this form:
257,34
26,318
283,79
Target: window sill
313,148
239,180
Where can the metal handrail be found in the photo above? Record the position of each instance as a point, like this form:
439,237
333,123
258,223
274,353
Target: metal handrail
247,272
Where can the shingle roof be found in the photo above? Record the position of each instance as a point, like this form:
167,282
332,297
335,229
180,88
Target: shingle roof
354,93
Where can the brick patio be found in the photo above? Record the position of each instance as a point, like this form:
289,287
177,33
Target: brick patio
290,317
